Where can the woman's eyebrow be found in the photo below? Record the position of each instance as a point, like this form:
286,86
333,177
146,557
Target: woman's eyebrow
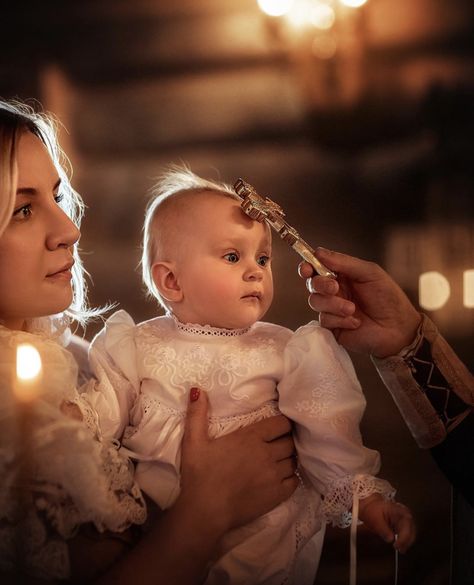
33,191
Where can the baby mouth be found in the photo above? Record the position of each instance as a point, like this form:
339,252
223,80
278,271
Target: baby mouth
253,295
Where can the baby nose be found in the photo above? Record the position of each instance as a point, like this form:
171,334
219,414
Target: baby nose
254,273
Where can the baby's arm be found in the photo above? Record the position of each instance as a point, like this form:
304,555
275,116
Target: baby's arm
320,393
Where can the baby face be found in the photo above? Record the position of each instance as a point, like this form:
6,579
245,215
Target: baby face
224,266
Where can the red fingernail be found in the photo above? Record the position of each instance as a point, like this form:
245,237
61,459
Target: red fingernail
194,394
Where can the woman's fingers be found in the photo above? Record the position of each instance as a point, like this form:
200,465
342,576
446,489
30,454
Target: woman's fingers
282,448
272,428
196,426
288,486
287,467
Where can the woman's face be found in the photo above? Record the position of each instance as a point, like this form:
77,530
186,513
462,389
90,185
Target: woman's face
35,249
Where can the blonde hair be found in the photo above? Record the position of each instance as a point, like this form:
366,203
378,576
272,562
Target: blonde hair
175,180
15,118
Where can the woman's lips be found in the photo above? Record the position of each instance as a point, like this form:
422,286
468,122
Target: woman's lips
63,273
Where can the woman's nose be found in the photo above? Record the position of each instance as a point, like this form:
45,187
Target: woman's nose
62,233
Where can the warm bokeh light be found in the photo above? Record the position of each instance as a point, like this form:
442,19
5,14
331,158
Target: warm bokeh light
353,3
300,13
306,13
275,7
322,16
28,370
433,290
468,288
324,48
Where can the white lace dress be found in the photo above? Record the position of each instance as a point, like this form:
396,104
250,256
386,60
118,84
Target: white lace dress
56,471
145,373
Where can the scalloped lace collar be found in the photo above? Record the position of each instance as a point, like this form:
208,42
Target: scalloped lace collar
207,330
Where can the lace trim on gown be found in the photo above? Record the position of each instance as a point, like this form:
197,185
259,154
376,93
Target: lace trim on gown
218,425
337,502
207,330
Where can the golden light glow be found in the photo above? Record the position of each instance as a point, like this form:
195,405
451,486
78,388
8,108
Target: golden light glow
324,48
433,290
322,16
275,7
300,13
353,3
28,370
468,288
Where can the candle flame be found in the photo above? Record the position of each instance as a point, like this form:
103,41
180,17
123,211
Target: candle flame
28,362
28,370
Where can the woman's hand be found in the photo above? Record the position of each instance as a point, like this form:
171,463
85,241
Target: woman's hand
239,476
225,482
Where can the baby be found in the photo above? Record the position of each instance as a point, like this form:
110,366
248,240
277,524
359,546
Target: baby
209,265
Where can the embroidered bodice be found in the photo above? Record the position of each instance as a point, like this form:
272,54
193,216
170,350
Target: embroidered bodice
145,373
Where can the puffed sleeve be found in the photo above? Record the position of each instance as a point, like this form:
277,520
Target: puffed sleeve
321,394
116,386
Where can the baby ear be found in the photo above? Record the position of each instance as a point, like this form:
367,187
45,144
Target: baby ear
166,281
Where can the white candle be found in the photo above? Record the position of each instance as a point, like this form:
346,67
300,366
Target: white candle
26,388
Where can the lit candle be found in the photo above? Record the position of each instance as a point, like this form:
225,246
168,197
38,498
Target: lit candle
26,388
28,372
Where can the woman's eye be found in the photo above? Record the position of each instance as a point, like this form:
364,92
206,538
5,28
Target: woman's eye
232,257
23,212
263,260
59,197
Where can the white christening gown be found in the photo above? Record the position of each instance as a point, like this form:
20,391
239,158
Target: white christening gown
144,376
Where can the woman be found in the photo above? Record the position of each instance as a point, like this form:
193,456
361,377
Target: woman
66,494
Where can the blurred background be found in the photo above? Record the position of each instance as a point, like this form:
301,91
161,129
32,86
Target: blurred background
355,116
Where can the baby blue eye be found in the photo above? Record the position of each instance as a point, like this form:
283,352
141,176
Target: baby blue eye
232,257
263,260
